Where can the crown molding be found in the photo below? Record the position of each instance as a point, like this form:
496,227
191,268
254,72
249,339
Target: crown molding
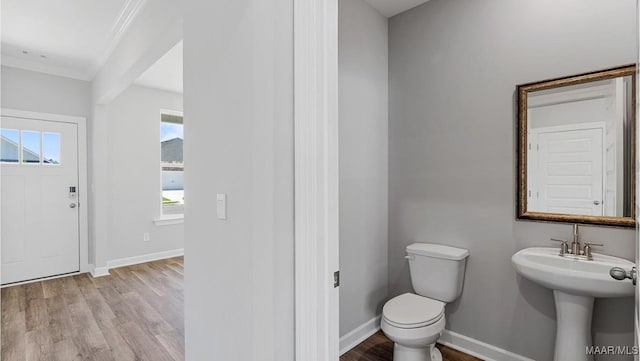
51,69
128,13
391,8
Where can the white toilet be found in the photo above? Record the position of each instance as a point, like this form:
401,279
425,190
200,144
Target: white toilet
414,322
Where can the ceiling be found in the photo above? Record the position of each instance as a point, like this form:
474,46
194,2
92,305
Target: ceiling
166,73
71,38
390,8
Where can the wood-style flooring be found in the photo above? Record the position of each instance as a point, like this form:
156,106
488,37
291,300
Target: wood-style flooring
379,348
135,314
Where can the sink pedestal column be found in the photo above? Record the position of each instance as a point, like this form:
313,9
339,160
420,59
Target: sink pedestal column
573,332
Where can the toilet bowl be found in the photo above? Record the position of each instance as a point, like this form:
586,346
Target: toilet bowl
415,321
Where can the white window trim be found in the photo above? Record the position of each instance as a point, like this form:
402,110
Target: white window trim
169,219
177,113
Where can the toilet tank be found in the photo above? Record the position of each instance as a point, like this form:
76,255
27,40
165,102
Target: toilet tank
437,271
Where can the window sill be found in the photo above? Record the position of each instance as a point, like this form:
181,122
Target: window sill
169,220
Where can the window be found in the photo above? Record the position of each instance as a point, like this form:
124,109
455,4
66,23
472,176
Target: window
9,152
171,145
50,148
29,147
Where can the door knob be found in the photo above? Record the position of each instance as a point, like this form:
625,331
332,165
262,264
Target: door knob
72,205
596,202
620,274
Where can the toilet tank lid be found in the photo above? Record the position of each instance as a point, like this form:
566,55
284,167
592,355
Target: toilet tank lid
437,251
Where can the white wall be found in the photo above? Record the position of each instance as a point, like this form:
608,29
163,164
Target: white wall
238,88
135,188
583,111
153,32
454,66
132,133
44,93
363,110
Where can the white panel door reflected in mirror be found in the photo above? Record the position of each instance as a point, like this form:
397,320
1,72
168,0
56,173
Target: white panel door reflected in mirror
577,148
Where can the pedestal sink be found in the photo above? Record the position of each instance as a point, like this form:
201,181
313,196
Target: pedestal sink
575,283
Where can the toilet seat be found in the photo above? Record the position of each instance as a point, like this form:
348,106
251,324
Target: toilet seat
412,311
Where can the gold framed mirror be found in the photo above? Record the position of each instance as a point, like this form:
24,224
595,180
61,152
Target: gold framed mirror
577,148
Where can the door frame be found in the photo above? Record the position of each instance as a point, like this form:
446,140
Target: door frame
83,191
316,179
636,323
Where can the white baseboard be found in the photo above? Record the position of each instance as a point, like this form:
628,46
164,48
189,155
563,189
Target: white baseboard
98,271
478,348
128,261
451,339
121,262
361,333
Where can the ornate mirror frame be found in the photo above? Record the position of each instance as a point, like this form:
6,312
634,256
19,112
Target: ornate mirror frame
522,93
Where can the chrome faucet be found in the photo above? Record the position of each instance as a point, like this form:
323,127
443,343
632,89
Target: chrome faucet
575,245
575,250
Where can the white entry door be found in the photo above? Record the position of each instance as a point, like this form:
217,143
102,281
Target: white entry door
39,180
570,178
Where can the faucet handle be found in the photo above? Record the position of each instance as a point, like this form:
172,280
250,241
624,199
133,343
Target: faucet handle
564,246
593,244
587,249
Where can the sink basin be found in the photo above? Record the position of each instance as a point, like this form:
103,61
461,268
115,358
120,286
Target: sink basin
575,283
571,275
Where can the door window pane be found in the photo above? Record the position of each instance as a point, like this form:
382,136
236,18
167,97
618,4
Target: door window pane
30,147
9,145
51,148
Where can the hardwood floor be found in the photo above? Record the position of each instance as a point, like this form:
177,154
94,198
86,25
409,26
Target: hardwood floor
379,348
136,313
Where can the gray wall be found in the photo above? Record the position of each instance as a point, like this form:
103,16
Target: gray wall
454,66
135,188
363,107
238,99
44,93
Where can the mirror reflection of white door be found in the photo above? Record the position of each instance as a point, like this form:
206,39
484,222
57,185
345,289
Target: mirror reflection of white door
40,218
569,174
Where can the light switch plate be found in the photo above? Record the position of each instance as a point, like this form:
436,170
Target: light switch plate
221,205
